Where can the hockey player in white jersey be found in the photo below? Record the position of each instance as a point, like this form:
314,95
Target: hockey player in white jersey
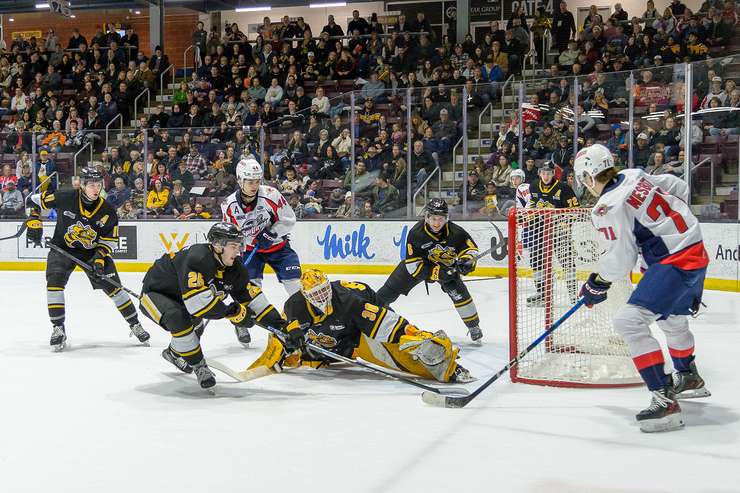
266,219
522,194
648,215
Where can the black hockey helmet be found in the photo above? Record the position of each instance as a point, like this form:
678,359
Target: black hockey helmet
437,207
223,232
91,174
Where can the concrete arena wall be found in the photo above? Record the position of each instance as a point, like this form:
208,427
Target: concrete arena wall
347,247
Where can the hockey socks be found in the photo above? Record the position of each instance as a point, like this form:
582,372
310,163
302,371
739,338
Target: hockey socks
650,365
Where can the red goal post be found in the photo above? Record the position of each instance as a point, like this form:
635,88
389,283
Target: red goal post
551,253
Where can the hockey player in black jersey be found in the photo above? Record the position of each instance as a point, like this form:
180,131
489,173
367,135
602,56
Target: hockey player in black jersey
550,233
342,317
437,250
183,288
86,228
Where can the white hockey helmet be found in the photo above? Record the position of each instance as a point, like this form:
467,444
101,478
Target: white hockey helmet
519,173
591,161
249,169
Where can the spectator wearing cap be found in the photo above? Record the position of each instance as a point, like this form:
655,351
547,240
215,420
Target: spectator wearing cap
332,28
445,131
474,192
44,167
345,209
182,174
641,154
715,91
12,201
561,155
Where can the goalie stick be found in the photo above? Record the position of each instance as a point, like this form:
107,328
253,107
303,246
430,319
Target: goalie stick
241,376
457,391
434,399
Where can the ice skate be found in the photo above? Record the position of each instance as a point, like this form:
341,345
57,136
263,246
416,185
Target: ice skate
689,385
663,413
461,375
176,360
141,334
242,334
58,338
475,334
206,378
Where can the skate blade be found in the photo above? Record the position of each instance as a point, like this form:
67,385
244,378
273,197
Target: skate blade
693,394
245,345
58,348
667,423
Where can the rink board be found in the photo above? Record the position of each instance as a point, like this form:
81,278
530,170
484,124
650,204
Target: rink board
346,247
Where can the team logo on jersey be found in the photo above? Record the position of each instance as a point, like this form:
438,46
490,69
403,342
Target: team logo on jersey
442,255
601,210
81,234
322,339
70,214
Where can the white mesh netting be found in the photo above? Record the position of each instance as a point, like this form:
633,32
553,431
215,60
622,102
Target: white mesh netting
554,252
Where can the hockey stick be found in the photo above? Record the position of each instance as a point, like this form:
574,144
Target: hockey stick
24,226
434,399
241,376
483,279
87,267
456,391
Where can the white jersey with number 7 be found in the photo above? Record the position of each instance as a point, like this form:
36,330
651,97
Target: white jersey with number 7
648,215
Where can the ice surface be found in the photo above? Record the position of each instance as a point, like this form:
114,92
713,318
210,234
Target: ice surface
108,415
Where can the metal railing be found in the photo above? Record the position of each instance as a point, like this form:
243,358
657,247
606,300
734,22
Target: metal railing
136,102
74,158
162,87
711,175
423,186
107,128
488,108
503,96
196,58
454,159
546,45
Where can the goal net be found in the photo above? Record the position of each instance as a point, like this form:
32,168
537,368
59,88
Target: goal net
551,253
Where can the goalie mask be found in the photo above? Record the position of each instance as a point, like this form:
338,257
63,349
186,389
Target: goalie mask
316,288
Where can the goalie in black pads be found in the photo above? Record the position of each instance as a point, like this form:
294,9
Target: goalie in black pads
437,250
183,288
87,229
342,317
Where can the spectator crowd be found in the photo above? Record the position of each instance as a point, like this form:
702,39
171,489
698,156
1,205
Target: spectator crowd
285,97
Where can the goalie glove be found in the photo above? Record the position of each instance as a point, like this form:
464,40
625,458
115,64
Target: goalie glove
465,265
98,264
294,340
594,290
34,229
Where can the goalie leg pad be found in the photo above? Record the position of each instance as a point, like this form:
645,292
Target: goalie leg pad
272,357
428,355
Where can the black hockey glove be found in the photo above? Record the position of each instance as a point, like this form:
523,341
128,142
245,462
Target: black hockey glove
465,265
266,239
98,264
594,290
238,314
294,340
34,229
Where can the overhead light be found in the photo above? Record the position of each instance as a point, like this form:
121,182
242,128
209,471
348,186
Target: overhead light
137,12
327,5
11,19
42,5
253,9
73,16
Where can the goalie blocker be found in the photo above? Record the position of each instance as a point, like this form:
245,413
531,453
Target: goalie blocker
343,317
